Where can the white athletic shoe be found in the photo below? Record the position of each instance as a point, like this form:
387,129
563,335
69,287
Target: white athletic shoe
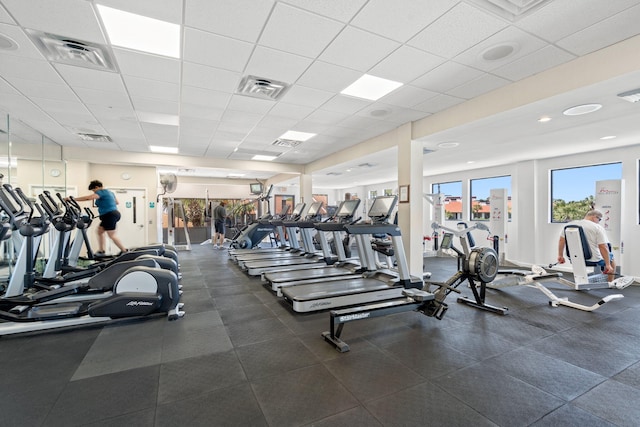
216,246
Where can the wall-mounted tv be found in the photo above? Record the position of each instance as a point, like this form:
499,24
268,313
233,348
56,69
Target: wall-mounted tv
255,188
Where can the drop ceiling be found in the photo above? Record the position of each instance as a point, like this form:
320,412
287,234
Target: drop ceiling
445,53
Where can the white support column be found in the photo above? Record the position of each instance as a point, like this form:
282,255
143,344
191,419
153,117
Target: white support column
411,214
306,189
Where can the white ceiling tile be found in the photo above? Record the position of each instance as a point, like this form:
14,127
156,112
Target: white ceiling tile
200,111
446,76
197,126
540,60
454,32
358,49
309,97
28,69
152,88
342,10
171,10
122,129
408,96
278,122
55,16
574,16
25,46
5,17
216,51
524,44
209,78
400,19
204,97
88,78
325,117
6,88
44,90
105,113
148,66
106,98
604,33
276,65
240,118
299,32
345,104
160,134
328,77
239,19
438,103
406,64
478,86
292,111
154,105
250,104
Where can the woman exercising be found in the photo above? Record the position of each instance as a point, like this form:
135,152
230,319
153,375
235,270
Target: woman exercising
107,204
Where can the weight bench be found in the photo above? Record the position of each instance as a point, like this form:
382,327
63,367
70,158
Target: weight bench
579,252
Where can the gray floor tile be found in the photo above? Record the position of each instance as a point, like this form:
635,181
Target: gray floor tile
612,401
356,417
272,357
571,416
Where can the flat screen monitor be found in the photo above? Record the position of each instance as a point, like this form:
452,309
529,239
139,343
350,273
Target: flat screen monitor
382,206
255,188
447,241
314,209
284,211
348,208
297,210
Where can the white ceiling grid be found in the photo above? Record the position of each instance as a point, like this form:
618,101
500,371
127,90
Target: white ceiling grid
318,47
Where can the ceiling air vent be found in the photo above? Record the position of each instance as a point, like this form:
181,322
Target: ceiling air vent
513,10
631,95
262,88
366,165
334,173
69,51
94,137
288,143
427,151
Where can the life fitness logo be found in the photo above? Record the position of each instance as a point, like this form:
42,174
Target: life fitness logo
604,190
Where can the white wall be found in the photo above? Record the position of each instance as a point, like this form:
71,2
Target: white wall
532,237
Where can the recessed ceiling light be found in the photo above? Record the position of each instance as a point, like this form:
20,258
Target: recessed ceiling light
139,32
297,136
235,175
544,119
495,53
449,144
579,110
604,138
162,149
371,87
471,161
7,43
264,158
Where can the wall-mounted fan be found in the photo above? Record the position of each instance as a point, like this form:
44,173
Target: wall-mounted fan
169,183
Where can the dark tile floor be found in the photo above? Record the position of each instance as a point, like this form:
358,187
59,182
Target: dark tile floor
240,357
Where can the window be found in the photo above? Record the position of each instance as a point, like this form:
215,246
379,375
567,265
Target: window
573,189
480,196
373,194
452,198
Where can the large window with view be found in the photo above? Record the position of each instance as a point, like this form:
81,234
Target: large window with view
480,190
573,189
452,198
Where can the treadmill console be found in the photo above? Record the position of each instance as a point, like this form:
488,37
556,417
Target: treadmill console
381,208
348,209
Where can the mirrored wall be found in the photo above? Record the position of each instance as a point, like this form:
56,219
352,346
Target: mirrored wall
32,162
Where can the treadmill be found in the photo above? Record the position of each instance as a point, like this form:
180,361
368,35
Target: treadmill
337,270
274,223
293,261
279,224
381,285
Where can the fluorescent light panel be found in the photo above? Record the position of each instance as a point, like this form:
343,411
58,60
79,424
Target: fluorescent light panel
139,32
158,118
371,87
264,158
297,136
161,149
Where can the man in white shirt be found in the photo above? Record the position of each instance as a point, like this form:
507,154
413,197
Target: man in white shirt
597,239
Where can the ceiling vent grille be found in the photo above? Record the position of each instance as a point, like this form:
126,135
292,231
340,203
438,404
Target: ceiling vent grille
94,137
259,87
334,173
65,50
288,143
366,165
513,10
427,151
631,95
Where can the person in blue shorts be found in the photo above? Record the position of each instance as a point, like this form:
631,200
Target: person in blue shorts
107,204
